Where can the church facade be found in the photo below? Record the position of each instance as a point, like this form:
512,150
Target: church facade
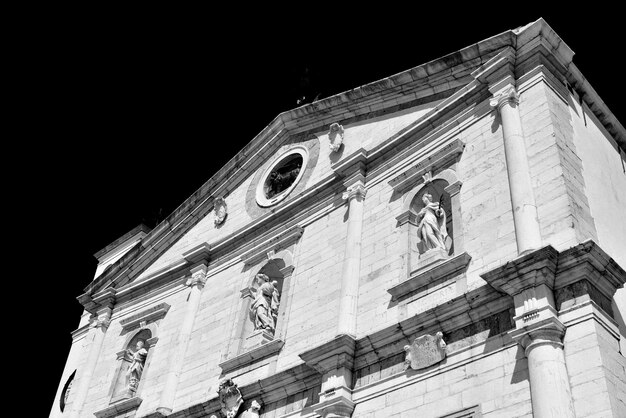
445,242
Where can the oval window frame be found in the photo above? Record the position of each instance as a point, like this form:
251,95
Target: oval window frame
261,199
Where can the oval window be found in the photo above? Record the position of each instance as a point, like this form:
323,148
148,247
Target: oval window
281,177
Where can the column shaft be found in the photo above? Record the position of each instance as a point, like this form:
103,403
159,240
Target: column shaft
527,231
352,261
549,384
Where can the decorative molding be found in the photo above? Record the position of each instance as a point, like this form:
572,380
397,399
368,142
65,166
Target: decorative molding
530,270
220,211
333,354
251,356
355,161
148,315
335,136
441,272
199,253
198,276
424,167
119,408
281,240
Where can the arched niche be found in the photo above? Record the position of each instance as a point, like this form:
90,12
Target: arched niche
278,267
444,188
135,354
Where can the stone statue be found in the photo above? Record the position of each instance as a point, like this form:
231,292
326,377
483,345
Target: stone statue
136,367
432,224
275,301
265,303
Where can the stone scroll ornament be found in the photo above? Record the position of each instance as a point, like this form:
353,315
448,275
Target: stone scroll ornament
230,398
221,211
425,351
335,136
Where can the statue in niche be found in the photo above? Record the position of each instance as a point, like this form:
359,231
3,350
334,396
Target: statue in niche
432,224
133,375
264,309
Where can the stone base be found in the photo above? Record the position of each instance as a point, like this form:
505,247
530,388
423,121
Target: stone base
257,339
428,259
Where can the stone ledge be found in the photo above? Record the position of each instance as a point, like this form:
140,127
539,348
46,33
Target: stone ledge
431,159
119,408
148,315
333,354
251,356
281,240
421,279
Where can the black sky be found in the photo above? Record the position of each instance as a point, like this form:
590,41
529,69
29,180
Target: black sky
133,114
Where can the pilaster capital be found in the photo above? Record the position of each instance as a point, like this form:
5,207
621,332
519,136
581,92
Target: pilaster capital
339,407
549,331
505,96
101,321
356,191
198,277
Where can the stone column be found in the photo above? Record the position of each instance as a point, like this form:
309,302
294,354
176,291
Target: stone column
527,232
355,195
530,280
98,328
550,391
196,284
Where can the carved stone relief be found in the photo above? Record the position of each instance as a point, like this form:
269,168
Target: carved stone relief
221,211
335,136
425,351
230,398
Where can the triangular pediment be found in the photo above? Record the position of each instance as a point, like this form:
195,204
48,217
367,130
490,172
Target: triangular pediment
376,121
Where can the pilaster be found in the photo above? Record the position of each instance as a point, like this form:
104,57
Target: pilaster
196,284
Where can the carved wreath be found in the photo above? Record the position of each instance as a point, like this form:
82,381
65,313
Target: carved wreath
335,136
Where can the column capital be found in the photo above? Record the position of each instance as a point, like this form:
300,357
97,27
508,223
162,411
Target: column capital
507,95
357,191
198,277
549,331
102,321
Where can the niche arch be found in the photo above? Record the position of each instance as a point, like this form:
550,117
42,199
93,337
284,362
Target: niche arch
446,185
246,344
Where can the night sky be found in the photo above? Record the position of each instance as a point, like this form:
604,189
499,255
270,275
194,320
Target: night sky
136,113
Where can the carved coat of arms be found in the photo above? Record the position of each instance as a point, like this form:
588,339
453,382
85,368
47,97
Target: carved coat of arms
425,351
230,398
